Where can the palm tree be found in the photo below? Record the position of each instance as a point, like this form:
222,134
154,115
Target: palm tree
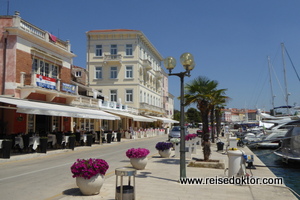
218,100
199,91
204,93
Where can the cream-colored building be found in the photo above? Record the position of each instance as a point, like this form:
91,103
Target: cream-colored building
125,67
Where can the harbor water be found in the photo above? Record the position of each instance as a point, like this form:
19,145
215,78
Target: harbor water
290,171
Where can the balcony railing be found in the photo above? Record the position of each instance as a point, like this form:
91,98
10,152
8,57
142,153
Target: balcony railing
30,28
86,102
33,81
153,108
147,64
158,75
113,58
114,106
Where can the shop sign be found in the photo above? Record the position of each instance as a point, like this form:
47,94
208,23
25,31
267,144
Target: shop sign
45,82
68,87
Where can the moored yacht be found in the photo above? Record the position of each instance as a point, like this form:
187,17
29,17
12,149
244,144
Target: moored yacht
290,147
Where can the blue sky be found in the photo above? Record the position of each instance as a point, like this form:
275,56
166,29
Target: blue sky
230,39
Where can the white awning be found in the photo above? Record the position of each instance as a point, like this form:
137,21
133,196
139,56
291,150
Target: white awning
40,108
164,120
134,117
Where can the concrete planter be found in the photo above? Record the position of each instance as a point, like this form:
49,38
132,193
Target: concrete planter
139,163
165,154
90,186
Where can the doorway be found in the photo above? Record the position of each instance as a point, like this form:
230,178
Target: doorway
43,124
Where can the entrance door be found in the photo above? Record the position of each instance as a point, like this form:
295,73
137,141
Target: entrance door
43,124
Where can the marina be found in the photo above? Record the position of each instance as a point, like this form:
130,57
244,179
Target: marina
289,171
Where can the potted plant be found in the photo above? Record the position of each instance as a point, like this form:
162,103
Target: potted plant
190,137
43,144
138,157
89,139
6,147
164,149
89,174
109,137
119,135
191,143
72,141
175,141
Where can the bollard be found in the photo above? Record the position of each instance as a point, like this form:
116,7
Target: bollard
236,163
232,142
125,192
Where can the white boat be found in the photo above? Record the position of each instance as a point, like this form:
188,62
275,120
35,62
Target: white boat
290,147
273,136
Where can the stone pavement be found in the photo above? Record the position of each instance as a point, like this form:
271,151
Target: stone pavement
159,181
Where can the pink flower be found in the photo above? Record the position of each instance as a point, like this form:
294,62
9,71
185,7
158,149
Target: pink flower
137,153
89,168
190,136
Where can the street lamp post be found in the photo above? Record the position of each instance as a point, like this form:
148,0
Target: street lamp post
187,61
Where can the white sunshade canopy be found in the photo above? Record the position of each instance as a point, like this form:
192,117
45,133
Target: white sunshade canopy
134,117
164,120
40,108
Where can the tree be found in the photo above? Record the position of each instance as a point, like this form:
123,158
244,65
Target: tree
199,91
177,115
204,93
218,99
193,115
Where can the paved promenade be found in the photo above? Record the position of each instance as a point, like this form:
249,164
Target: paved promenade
159,181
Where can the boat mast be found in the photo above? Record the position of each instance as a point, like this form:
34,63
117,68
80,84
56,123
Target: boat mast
271,85
285,81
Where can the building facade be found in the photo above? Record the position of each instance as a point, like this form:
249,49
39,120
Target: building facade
125,67
41,91
37,94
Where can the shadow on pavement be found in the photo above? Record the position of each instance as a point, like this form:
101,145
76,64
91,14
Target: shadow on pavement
147,175
73,192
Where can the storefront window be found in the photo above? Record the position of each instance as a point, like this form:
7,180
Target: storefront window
55,123
92,124
30,123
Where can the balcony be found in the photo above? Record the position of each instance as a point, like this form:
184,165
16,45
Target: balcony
158,75
35,83
147,64
151,108
113,59
44,35
83,101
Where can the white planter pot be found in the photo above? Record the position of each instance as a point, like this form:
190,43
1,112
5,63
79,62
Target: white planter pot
177,150
139,163
90,186
165,153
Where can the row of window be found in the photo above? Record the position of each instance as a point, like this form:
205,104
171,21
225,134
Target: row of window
113,50
128,52
114,72
152,100
44,68
129,97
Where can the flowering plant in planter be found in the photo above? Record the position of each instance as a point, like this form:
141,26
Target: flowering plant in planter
137,153
190,136
175,140
161,146
89,168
